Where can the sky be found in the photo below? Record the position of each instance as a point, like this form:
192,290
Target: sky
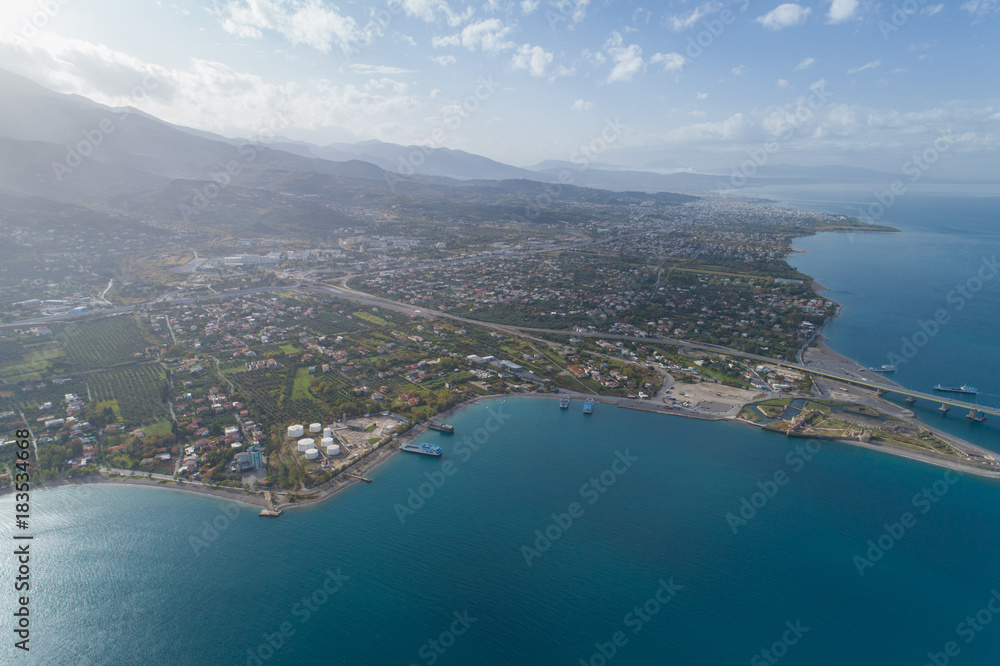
681,83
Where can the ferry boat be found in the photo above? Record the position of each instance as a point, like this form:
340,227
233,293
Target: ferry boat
964,388
425,449
442,427
564,402
588,407
884,368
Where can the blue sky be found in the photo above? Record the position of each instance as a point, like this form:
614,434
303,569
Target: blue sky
697,83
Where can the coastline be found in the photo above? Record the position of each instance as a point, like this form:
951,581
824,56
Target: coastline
331,488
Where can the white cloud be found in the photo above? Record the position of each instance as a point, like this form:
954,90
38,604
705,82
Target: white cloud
784,16
535,59
628,59
444,60
931,10
381,70
842,10
868,65
980,8
805,63
487,35
782,83
311,23
679,22
740,70
734,128
209,95
429,10
671,61
528,6
385,83
701,95
581,105
576,10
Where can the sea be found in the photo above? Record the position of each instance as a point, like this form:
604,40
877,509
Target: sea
547,536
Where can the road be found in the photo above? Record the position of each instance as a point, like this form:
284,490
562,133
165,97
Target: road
341,290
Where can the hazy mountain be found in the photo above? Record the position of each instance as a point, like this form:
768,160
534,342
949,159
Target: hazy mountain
75,151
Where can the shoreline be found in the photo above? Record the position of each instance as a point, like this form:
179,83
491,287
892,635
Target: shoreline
337,485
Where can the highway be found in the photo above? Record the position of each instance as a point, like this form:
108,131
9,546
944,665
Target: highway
341,290
347,293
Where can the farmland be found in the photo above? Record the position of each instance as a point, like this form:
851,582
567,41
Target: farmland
138,391
102,344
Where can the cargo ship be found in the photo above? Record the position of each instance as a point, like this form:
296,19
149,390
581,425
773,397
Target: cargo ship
425,449
964,388
564,402
884,368
442,427
588,407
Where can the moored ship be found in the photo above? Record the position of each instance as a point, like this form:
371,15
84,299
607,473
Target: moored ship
425,449
442,427
588,407
964,388
564,402
884,368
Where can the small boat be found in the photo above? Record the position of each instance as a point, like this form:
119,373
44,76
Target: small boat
564,402
425,449
588,407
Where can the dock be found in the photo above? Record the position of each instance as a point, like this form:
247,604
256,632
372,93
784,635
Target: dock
360,478
270,512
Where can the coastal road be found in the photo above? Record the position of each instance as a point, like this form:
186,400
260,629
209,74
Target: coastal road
846,376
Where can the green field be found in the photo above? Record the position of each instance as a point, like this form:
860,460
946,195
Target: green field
103,343
370,318
138,391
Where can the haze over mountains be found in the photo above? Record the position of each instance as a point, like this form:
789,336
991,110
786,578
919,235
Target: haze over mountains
70,149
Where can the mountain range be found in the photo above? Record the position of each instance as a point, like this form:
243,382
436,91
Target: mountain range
69,149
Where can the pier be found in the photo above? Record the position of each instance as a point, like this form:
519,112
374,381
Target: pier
359,477
270,512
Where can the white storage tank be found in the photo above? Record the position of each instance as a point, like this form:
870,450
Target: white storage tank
295,431
325,442
312,454
315,427
333,450
306,443
327,432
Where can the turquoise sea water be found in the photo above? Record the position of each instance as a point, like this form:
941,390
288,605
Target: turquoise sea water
119,576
